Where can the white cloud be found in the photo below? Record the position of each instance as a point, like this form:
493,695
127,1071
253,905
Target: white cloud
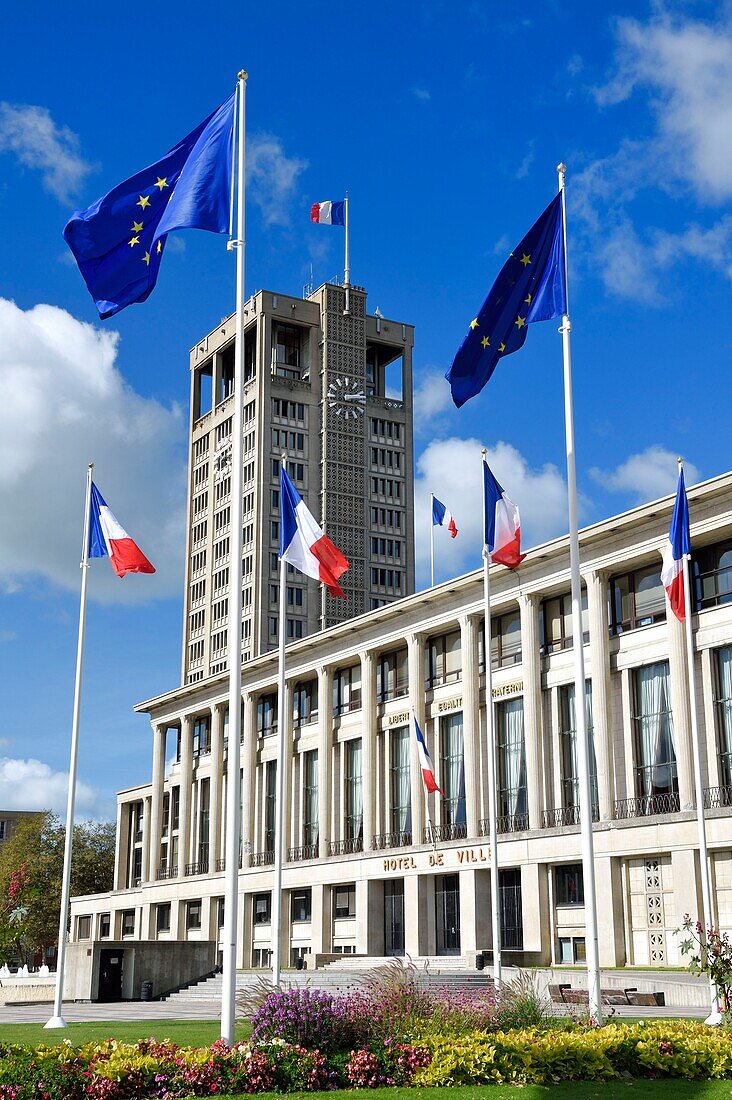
33,785
422,94
431,398
273,177
648,475
63,403
525,166
451,470
37,142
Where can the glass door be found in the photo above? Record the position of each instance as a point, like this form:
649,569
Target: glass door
394,917
447,903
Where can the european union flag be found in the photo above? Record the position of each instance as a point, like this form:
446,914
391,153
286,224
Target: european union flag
532,286
118,242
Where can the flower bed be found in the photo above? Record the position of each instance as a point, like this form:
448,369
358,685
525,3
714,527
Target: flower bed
559,1052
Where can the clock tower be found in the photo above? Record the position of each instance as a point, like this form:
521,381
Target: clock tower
332,389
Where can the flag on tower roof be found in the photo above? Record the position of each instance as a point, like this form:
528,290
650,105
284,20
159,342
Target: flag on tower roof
303,543
531,286
677,545
118,241
330,212
108,539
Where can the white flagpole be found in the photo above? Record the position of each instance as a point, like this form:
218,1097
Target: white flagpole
583,754
432,539
715,1016
491,744
347,263
233,786
57,1019
282,723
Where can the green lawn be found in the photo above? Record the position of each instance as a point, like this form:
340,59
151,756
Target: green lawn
194,1033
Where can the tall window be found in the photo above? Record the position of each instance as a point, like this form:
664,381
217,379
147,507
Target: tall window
310,798
286,350
557,629
637,599
267,715
713,575
354,791
392,675
509,898
270,804
452,769
399,776
512,796
724,714
505,641
569,886
656,778
202,735
347,689
443,660
203,822
568,747
305,702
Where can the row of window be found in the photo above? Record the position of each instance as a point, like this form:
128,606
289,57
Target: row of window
386,487
386,458
386,429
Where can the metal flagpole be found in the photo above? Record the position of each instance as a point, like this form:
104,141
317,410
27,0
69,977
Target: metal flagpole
57,1019
347,264
491,742
280,789
580,710
233,785
715,1016
432,538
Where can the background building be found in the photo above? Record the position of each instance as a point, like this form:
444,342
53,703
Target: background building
360,874
334,391
9,820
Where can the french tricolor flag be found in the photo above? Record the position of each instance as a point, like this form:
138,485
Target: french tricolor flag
443,517
108,539
428,772
677,545
302,542
502,523
331,212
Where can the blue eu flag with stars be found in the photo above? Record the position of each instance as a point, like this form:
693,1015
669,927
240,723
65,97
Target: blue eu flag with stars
118,242
532,286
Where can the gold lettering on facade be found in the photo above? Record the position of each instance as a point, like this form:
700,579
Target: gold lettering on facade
397,719
472,855
436,859
514,688
400,863
450,704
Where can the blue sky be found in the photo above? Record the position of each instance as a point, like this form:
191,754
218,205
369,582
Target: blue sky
446,122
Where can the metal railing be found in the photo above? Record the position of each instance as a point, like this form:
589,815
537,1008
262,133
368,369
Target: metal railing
262,859
647,805
718,798
200,868
345,847
390,840
453,831
505,823
306,851
221,864
166,872
565,815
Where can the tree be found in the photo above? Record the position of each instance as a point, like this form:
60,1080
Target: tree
38,844
711,954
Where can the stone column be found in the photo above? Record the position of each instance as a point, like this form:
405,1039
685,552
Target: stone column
284,721
599,670
531,663
368,746
185,778
216,786
681,709
121,853
325,759
146,813
415,649
471,721
155,832
245,759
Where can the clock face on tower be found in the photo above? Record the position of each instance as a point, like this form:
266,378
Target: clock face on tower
347,397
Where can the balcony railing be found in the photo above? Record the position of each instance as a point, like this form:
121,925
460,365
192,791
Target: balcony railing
565,815
390,840
166,872
345,847
200,868
262,859
647,805
221,864
307,851
718,798
505,823
453,831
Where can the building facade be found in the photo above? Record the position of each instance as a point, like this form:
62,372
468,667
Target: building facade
332,390
374,867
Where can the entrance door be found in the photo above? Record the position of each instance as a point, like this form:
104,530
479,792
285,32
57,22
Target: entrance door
447,902
394,917
110,975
